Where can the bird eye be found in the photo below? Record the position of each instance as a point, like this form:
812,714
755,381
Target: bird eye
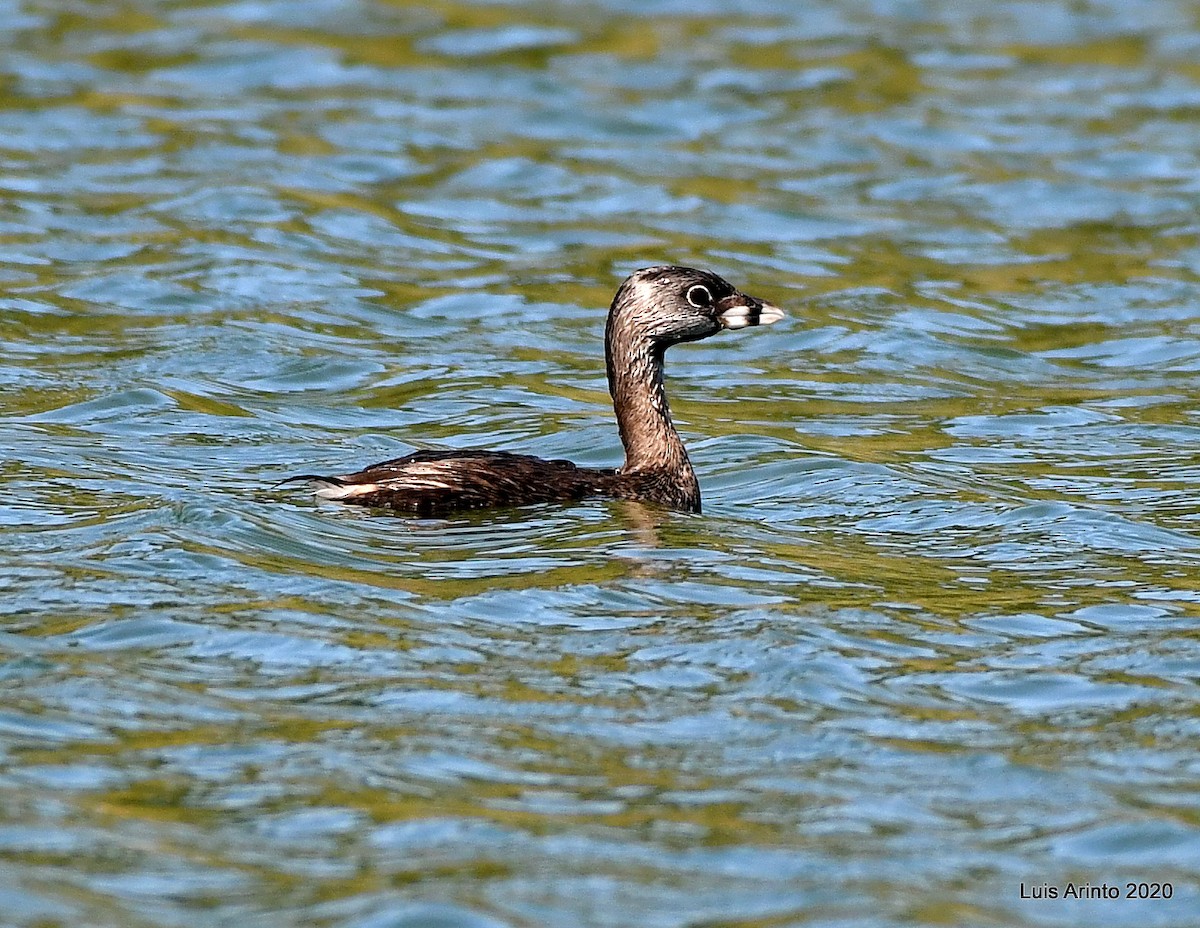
699,296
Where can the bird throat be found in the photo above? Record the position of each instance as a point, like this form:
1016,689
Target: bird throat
635,380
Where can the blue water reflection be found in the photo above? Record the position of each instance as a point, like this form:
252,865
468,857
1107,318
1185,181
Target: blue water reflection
934,639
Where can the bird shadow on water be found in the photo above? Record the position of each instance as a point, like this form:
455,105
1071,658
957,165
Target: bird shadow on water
540,546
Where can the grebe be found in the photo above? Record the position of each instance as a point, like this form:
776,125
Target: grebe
654,308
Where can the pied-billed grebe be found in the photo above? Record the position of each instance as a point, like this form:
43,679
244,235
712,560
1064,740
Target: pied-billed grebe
654,308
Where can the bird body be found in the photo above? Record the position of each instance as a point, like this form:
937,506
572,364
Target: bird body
433,482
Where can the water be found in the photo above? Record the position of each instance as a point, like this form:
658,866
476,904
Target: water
935,642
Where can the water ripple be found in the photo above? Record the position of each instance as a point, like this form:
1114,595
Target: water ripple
933,638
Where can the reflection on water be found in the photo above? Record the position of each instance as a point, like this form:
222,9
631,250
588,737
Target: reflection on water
936,634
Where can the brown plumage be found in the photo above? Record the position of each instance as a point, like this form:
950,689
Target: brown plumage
654,308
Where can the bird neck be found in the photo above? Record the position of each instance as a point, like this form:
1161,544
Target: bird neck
635,380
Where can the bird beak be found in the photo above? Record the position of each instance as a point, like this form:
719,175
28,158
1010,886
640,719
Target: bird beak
739,310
